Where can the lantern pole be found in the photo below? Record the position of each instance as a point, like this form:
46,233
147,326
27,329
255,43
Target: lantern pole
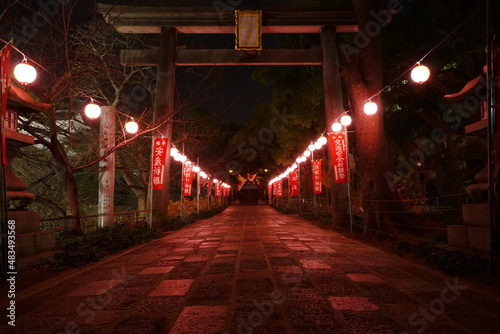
288,195
491,100
348,177
182,187
198,187
3,207
298,177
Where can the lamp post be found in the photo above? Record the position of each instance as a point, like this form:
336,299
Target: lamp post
492,132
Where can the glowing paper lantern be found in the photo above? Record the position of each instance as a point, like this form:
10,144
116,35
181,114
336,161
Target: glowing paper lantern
196,169
336,127
322,140
131,127
345,120
24,73
311,147
92,110
306,153
420,74
370,108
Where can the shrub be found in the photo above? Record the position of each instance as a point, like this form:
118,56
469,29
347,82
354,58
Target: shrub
92,246
448,261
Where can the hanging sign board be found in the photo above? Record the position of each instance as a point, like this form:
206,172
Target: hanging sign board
248,30
159,155
317,177
338,146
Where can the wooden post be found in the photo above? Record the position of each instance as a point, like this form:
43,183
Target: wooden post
333,109
164,111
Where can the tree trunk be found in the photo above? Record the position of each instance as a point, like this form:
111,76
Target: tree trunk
70,192
65,172
362,74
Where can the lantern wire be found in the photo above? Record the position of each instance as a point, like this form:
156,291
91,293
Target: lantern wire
25,58
428,53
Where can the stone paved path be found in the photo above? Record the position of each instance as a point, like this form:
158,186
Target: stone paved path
254,270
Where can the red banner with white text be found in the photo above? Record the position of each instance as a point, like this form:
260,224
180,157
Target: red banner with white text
187,178
338,146
294,183
218,187
317,177
159,155
279,188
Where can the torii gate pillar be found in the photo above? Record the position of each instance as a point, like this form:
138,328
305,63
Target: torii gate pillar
164,111
333,109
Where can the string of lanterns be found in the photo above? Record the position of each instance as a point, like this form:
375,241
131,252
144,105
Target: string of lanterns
338,125
178,156
23,72
92,110
318,144
419,73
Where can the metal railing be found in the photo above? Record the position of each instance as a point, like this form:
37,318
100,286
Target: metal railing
89,222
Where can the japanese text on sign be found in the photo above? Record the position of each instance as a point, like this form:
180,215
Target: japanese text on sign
159,154
338,146
294,183
317,177
187,178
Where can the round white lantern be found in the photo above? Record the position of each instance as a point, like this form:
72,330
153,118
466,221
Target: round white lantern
420,74
345,120
370,108
92,110
336,127
131,127
24,73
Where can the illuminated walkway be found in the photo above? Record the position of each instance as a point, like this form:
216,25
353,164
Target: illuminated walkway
254,270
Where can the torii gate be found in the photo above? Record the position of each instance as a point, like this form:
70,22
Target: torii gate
170,21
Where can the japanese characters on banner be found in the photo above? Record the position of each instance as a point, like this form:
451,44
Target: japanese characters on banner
279,188
218,192
159,155
317,177
187,178
4,82
294,183
338,147
270,189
